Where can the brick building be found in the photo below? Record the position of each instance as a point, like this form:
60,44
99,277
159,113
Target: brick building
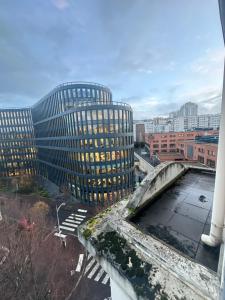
205,153
184,146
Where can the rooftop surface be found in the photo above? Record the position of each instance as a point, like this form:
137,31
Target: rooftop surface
170,156
164,262
181,214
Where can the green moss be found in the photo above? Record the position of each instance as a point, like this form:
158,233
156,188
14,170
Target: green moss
116,250
131,211
90,226
164,296
92,222
87,233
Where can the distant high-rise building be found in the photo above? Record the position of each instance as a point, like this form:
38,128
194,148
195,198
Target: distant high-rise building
179,124
140,133
188,109
149,126
173,114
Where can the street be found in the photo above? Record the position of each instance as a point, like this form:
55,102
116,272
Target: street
73,273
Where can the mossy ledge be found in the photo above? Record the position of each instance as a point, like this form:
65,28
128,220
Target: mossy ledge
116,250
90,226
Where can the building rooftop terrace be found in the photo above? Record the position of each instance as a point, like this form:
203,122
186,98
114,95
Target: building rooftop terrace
181,214
175,199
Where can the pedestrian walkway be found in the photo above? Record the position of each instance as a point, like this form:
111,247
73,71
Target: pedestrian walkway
70,224
92,270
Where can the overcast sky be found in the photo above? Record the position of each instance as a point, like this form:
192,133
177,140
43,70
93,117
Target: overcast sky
153,54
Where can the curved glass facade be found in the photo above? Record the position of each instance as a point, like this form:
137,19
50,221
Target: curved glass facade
84,141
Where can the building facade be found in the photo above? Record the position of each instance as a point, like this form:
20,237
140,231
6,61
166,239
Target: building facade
17,151
185,119
139,132
188,109
203,152
84,141
210,121
191,145
181,123
167,145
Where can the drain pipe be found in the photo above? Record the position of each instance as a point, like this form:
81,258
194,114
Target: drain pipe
218,212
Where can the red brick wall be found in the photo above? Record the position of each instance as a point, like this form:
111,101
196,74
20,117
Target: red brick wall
172,142
205,153
167,142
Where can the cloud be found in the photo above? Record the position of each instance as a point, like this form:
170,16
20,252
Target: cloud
210,63
150,106
147,107
208,98
60,4
32,56
142,70
134,47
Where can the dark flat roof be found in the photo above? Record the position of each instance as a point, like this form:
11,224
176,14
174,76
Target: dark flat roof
181,214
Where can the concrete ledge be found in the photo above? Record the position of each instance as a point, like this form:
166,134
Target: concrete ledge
122,288
180,277
155,182
144,165
177,275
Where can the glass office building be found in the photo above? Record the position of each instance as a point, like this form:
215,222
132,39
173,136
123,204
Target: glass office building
17,151
84,141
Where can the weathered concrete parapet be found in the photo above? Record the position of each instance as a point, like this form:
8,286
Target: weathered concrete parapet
146,268
121,288
155,182
170,276
144,165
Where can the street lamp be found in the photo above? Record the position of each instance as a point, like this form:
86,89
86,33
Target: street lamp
57,214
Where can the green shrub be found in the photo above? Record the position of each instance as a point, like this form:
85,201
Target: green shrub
44,193
25,190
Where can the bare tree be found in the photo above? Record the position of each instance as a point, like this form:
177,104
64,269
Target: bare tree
29,269
37,267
